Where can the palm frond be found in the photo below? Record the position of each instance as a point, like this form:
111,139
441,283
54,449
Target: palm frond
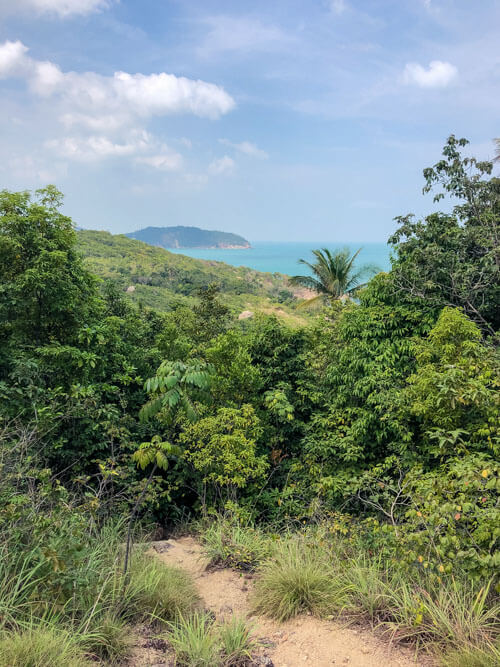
308,302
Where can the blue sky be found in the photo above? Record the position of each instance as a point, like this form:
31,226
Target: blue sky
286,120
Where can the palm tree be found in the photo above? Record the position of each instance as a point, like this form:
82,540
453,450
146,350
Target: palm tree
333,276
497,150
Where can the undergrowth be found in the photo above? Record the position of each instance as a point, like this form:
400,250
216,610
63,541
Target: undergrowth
198,641
307,572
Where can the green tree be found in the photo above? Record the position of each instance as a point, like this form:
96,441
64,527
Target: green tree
211,316
333,276
453,393
454,259
223,449
46,293
172,389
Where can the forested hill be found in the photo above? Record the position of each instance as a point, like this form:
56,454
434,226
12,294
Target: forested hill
188,237
159,279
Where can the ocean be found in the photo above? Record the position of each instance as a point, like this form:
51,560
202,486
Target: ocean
277,257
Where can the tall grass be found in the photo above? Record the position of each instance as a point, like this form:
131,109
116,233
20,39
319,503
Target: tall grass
103,605
199,641
41,646
194,642
229,544
308,573
296,580
237,643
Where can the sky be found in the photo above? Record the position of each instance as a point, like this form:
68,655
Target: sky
291,120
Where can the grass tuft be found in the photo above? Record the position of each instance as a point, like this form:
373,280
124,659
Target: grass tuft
296,580
194,641
155,592
236,642
485,656
40,646
229,544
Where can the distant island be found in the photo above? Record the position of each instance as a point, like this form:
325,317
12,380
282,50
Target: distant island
188,237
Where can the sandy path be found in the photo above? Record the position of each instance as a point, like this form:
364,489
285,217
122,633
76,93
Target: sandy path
301,641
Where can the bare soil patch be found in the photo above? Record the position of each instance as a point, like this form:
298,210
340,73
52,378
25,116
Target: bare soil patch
304,640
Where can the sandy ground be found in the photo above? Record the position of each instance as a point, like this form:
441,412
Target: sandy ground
301,641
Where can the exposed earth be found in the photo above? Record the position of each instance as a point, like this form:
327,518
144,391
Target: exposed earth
304,640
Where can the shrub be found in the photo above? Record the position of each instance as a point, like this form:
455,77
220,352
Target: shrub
294,581
229,544
40,647
194,642
236,642
157,591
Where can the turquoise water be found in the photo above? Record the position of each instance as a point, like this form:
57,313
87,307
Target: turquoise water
283,257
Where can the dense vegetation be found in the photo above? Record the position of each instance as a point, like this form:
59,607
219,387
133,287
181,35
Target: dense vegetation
164,281
358,453
188,237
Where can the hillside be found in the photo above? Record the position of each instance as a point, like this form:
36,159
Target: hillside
188,237
159,279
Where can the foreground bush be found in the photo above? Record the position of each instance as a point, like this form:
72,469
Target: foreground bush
157,591
296,580
228,544
41,647
199,641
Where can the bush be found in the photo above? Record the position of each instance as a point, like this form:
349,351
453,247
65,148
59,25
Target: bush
294,581
228,544
41,647
157,591
236,642
194,642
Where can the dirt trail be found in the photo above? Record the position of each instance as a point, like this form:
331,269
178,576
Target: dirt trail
302,641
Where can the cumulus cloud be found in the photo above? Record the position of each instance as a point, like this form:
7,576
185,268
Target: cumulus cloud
63,8
439,74
93,97
13,59
222,165
247,148
104,116
139,144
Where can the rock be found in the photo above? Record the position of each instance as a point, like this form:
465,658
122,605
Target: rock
244,315
130,288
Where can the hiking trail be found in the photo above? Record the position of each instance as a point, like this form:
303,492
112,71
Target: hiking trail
304,640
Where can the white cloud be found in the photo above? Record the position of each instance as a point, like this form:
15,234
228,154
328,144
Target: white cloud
221,165
88,149
439,74
247,148
92,96
246,34
12,59
104,116
170,161
338,6
139,145
63,8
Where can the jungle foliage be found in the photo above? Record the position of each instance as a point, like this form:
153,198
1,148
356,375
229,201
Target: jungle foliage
378,417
